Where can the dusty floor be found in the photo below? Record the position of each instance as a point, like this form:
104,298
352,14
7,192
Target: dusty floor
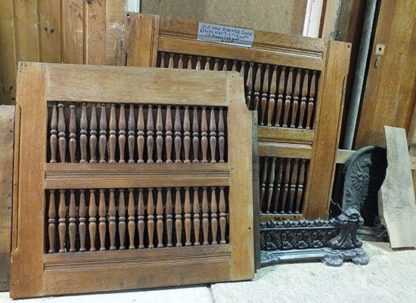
389,277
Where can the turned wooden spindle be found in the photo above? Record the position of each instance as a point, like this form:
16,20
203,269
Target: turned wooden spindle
243,70
299,190
286,182
159,218
221,134
102,143
178,139
168,134
150,218
122,134
272,97
257,87
214,215
140,135
180,62
213,136
303,100
280,92
61,133
102,212
178,217
186,135
223,216
187,210
159,134
82,227
62,221
140,218
279,176
93,134
264,95
112,219
207,63
112,140
83,125
162,59
131,226
168,213
198,63
234,67
264,179
196,219
72,134
195,135
131,125
149,134
225,65
204,135
249,85
216,64
288,97
311,101
205,221
189,64
271,184
92,219
51,221
295,104
293,181
121,218
53,139
171,63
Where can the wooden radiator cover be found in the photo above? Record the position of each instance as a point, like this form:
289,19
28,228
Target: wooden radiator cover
130,178
295,83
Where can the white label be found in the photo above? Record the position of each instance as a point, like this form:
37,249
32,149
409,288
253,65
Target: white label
225,34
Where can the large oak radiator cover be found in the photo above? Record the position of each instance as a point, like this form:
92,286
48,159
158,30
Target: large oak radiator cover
296,84
129,178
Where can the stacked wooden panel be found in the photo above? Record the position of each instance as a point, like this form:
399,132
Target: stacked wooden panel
296,85
140,178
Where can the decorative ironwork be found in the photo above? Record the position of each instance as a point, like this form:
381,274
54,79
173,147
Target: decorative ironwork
333,241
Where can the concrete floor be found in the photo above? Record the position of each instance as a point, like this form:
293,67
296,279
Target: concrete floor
389,277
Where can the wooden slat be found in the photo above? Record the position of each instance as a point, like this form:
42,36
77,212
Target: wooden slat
60,175
114,23
396,197
284,150
73,31
50,31
7,53
159,86
331,96
6,189
285,135
95,32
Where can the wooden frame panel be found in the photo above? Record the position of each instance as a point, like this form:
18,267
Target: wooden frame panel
152,37
34,272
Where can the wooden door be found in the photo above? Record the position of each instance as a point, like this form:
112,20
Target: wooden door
295,83
130,178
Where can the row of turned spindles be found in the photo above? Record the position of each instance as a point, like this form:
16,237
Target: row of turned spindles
135,218
177,134
283,96
282,184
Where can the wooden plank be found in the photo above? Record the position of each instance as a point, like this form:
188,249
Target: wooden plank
95,32
389,98
284,150
322,169
343,155
7,53
6,190
285,135
50,31
396,197
73,31
329,19
161,86
256,190
115,15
